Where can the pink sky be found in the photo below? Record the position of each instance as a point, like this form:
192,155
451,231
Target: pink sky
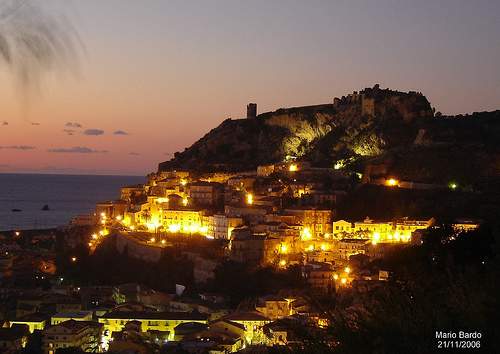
169,72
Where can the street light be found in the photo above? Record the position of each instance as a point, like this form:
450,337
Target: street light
392,182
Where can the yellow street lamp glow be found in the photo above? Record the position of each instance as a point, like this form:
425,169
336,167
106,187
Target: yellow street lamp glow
103,215
282,263
293,167
347,270
94,236
306,234
391,182
185,201
324,247
17,233
283,248
193,228
183,182
73,259
132,227
101,233
249,198
163,242
343,280
119,218
152,239
335,276
174,228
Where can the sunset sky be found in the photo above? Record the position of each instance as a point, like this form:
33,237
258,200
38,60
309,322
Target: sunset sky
154,76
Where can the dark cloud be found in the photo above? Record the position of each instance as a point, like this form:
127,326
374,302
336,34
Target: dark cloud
18,147
77,150
120,132
69,131
134,153
5,123
93,132
73,125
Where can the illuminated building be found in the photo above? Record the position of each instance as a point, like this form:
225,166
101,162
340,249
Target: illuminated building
274,307
250,214
253,249
317,221
111,209
324,256
390,231
183,221
66,316
220,226
150,321
465,225
205,193
34,322
85,335
253,323
350,247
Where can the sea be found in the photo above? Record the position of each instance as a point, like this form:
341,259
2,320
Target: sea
65,195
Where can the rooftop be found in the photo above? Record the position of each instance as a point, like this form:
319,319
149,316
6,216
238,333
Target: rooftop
246,316
73,325
32,317
141,315
76,314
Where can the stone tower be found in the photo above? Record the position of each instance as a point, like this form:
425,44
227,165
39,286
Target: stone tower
251,110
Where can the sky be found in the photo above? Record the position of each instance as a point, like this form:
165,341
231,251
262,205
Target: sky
152,77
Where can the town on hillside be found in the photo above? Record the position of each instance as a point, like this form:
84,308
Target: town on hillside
216,262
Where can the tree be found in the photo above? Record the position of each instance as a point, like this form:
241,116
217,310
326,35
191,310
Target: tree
33,42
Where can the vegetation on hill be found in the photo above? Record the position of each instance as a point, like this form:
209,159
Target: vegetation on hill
376,125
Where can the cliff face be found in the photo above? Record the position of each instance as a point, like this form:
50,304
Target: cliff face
375,127
361,124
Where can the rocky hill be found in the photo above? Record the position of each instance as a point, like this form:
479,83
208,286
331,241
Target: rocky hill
373,126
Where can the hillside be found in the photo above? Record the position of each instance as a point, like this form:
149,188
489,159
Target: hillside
374,126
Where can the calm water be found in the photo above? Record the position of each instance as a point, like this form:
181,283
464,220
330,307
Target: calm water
66,197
